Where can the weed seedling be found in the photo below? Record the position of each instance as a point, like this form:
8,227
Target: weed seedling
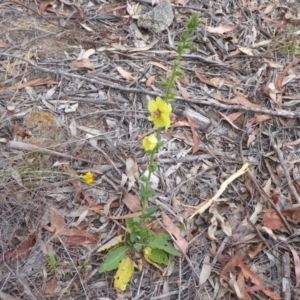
156,247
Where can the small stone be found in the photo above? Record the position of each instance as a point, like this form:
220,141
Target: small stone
159,18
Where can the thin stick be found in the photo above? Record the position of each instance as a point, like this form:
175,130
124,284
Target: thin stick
34,148
285,170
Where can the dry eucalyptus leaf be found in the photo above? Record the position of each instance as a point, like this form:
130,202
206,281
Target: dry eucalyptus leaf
125,74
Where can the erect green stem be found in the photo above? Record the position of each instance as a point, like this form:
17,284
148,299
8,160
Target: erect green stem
150,171
172,79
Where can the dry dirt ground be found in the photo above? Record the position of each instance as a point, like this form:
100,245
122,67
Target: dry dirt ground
62,114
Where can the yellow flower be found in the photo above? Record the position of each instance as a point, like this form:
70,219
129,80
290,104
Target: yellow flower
150,142
160,112
88,178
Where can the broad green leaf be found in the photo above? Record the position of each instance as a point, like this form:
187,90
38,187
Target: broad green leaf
161,241
150,211
123,274
113,259
159,256
113,242
137,247
156,255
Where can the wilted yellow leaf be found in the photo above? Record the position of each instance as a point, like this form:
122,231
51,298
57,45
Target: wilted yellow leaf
113,242
124,274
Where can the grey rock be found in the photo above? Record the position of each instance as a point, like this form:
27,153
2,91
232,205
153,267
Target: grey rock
159,18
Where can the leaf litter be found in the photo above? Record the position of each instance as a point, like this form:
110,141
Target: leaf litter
86,86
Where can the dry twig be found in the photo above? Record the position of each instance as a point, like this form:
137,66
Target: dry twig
285,170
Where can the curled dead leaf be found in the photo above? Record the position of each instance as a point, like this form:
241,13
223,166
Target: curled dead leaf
84,63
125,74
181,242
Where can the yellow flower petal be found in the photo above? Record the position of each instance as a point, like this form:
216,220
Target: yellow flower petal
88,178
152,107
160,112
150,142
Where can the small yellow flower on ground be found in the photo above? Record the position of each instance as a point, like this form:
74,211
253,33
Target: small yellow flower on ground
160,112
150,142
88,178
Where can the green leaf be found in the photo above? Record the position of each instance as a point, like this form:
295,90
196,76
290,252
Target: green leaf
145,193
180,47
161,241
179,72
188,45
137,247
52,262
133,237
159,256
160,144
184,37
113,259
164,82
144,179
193,22
152,167
150,211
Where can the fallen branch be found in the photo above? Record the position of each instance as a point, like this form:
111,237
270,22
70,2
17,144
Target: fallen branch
213,102
33,148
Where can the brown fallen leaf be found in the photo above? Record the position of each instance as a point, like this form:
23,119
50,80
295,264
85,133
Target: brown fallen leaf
252,136
273,64
238,286
150,80
183,91
59,11
3,44
132,171
258,118
22,250
51,286
194,133
242,100
87,198
236,261
296,186
83,63
206,270
232,117
131,201
180,243
279,79
275,196
44,6
19,130
125,74
76,240
293,212
203,79
297,264
229,121
70,236
222,29
271,219
34,82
